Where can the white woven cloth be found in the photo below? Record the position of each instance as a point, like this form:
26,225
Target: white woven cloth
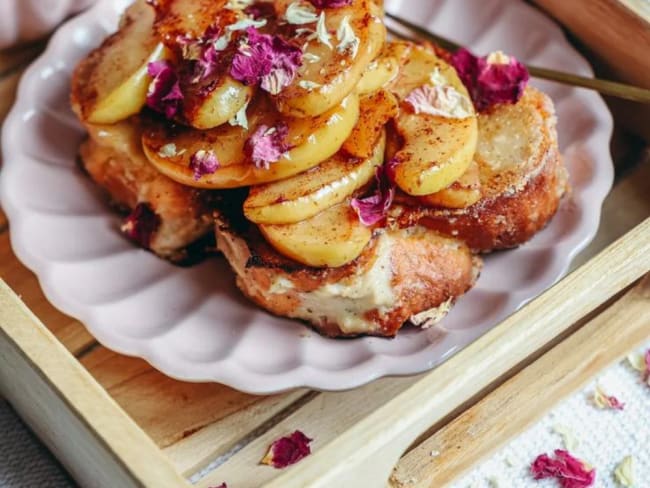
603,437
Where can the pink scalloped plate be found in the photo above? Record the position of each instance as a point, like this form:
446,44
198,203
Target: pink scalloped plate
192,323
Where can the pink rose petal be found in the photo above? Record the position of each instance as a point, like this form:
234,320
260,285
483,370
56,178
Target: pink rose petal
374,208
202,52
141,224
288,450
203,163
569,471
164,94
261,10
490,83
268,60
267,145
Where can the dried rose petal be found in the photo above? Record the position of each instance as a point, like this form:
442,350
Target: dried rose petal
261,10
203,163
287,450
646,376
490,82
141,224
164,93
603,400
330,3
222,485
441,101
569,471
374,208
265,59
267,145
204,51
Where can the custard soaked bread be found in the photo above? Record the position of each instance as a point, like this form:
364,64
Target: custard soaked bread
399,274
520,174
165,217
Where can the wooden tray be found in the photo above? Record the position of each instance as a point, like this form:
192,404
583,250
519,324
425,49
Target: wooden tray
114,421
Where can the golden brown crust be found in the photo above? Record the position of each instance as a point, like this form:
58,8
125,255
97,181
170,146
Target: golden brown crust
116,164
518,199
426,270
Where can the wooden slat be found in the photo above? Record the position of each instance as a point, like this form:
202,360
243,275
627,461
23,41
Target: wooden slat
72,334
96,441
323,419
370,448
525,398
195,452
171,411
618,34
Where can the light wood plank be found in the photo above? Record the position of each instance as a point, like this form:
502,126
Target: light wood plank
195,452
193,422
324,418
525,398
167,409
369,449
622,36
94,439
72,334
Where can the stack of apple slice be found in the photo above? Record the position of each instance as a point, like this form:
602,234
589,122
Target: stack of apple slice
353,103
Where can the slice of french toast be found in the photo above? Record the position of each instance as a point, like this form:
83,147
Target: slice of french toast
402,273
522,179
178,215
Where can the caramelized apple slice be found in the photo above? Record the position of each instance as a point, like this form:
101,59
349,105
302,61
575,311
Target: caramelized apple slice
111,83
375,111
210,99
305,195
332,238
439,141
462,193
334,61
378,74
170,148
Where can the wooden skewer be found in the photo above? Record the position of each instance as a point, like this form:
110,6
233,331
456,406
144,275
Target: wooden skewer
606,87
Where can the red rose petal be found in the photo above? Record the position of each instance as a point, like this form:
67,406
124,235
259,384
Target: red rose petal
268,60
141,224
261,10
374,208
203,163
646,376
615,403
490,83
330,3
569,471
267,145
164,95
288,450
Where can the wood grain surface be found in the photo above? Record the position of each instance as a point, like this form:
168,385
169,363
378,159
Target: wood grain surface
618,31
193,424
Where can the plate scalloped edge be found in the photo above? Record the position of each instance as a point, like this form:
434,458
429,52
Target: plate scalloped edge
587,157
